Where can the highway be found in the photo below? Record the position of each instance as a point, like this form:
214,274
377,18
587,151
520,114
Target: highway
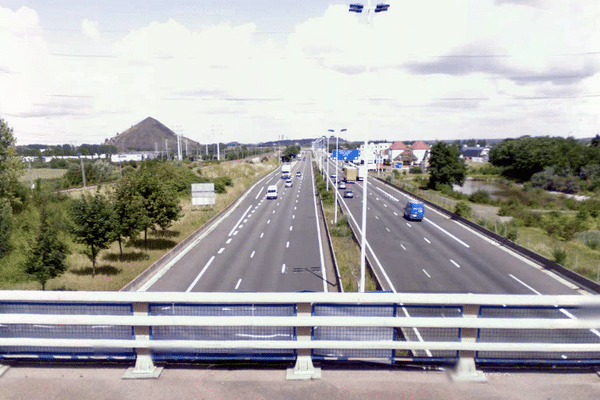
439,255
259,245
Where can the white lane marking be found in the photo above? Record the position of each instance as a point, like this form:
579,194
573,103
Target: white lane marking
277,206
296,201
387,229
455,263
252,255
387,194
222,249
395,213
273,211
524,284
417,333
200,274
294,216
283,269
262,234
238,284
447,233
322,257
259,193
235,233
385,205
427,240
240,220
287,245
268,222
376,217
562,310
291,227
368,208
295,207
429,276
409,225
228,241
403,246
246,220
240,227
376,198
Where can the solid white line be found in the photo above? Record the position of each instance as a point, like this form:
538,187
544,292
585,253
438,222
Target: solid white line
240,220
446,232
283,269
427,240
228,241
222,249
322,257
524,284
200,274
238,284
455,263
429,276
403,246
287,245
252,255
262,234
259,192
417,333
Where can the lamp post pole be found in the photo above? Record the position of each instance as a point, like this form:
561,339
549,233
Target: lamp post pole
337,159
358,8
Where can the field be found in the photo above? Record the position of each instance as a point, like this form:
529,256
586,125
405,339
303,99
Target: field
42,173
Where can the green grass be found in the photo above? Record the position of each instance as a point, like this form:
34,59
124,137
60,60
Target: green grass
42,173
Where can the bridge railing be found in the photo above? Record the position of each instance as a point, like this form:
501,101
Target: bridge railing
459,329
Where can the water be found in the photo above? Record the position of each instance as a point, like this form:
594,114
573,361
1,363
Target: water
471,186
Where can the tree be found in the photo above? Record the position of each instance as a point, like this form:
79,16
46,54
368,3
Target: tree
130,215
445,166
5,222
48,258
93,220
10,166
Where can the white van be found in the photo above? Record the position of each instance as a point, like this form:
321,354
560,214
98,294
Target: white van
272,192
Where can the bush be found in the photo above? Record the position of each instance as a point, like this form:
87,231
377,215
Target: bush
396,174
264,159
416,170
560,256
59,163
463,209
480,197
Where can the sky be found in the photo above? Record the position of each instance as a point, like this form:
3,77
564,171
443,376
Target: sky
79,72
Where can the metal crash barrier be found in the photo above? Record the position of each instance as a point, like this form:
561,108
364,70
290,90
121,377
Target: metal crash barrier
462,330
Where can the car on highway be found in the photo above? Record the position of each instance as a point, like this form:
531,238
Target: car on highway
414,210
272,192
289,183
342,185
348,194
299,174
333,176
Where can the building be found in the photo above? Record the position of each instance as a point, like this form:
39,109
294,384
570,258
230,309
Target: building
475,154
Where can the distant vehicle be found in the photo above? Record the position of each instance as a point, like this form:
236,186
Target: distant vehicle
348,194
362,171
298,174
342,185
414,210
286,171
350,174
289,183
333,176
272,192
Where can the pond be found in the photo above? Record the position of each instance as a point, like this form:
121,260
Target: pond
471,186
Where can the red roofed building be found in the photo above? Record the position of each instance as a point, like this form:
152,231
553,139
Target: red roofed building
420,150
395,150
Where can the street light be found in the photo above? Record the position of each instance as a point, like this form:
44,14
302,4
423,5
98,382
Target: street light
337,159
358,8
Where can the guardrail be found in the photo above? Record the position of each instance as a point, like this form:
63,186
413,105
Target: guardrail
459,329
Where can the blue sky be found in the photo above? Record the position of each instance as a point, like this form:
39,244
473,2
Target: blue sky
81,71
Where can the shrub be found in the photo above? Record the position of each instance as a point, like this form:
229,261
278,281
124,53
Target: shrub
416,170
559,255
396,174
463,209
552,228
480,197
264,159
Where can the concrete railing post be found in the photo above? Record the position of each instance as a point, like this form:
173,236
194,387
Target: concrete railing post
144,367
304,368
465,370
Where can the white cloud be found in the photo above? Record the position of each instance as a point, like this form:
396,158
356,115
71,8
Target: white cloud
439,69
90,28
